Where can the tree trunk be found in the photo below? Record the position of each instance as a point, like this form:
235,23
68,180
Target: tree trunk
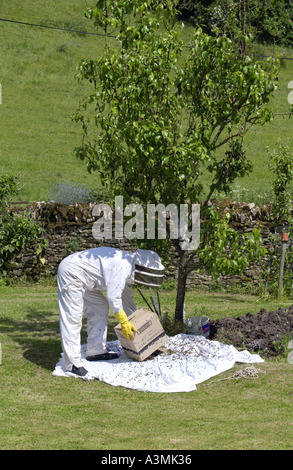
180,298
181,287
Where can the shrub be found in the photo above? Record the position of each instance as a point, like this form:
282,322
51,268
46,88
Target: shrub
17,230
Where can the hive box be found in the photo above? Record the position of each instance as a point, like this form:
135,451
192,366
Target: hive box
149,337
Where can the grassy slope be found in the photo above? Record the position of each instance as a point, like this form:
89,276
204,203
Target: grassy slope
39,95
259,182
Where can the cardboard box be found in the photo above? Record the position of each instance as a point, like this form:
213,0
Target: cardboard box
149,337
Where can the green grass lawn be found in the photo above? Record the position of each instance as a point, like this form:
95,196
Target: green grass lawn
39,411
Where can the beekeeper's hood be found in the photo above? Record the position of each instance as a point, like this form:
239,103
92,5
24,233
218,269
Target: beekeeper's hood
149,270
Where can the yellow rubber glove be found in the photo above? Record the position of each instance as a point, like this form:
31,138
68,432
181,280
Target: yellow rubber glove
126,327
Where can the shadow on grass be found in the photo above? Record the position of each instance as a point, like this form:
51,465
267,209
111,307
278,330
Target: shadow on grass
39,336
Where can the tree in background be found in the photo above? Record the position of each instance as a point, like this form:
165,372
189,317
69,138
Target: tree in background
281,165
162,112
268,20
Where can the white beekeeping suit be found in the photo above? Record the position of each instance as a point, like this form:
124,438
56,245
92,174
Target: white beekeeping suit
90,282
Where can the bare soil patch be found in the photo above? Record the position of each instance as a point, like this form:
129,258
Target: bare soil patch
263,332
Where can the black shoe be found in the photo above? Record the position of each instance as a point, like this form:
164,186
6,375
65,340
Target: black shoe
103,357
81,371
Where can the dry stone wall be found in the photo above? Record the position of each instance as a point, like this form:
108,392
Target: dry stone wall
69,228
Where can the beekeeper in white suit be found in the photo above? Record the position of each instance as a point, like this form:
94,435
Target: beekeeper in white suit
90,282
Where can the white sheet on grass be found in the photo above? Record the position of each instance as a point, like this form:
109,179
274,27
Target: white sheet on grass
190,361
